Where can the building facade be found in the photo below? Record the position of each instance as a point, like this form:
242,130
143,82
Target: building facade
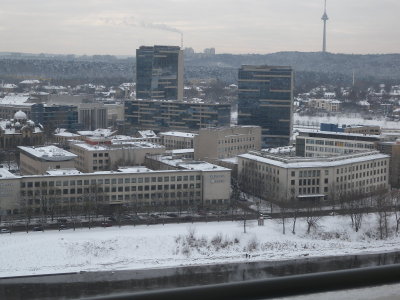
323,143
392,149
159,72
92,116
19,131
38,160
290,179
93,157
138,187
176,115
265,99
177,139
217,143
330,105
56,116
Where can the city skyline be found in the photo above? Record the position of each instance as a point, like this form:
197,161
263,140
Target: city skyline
119,27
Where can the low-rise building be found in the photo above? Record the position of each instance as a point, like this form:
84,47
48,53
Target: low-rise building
330,105
212,144
110,154
137,187
38,160
216,179
288,180
177,139
312,143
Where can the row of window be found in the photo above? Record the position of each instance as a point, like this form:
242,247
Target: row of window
127,180
340,144
236,140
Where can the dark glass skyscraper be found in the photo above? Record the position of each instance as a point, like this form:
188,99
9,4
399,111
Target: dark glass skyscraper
159,72
266,100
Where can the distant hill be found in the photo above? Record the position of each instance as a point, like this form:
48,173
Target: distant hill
311,68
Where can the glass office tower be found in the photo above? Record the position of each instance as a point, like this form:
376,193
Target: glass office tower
159,72
266,99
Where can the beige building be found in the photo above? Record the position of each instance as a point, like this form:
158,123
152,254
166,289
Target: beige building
313,143
111,154
138,187
212,144
363,129
393,149
19,132
38,160
177,140
216,179
11,104
92,115
330,105
286,179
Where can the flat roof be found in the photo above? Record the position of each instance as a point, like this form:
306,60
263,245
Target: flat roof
48,153
315,162
339,135
58,172
116,144
188,164
179,134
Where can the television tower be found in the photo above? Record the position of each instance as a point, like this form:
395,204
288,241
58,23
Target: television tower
324,18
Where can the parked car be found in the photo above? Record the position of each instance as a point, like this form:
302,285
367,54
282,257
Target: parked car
5,230
106,224
171,215
112,219
62,220
38,228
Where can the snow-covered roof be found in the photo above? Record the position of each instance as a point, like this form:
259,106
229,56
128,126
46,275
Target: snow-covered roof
315,162
231,160
20,115
15,100
179,134
48,153
30,81
100,132
9,86
116,145
188,164
147,133
58,172
5,174
338,134
181,151
63,132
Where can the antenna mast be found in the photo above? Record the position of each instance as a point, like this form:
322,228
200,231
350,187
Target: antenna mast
324,18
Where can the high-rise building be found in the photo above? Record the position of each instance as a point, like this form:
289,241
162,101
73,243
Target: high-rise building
176,115
159,72
56,116
266,100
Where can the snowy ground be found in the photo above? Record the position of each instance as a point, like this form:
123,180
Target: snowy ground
159,246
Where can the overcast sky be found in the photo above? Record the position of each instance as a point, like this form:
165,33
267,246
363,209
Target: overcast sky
118,27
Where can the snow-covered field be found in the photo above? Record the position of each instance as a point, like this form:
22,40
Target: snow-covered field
159,246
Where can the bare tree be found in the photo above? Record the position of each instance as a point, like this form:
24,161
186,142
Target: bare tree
313,216
395,200
384,210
